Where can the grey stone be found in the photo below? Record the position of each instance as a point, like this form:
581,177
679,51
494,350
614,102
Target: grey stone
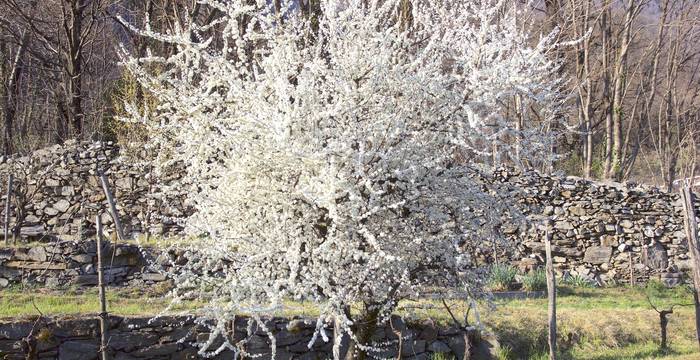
78,350
37,253
4,282
438,347
130,341
82,258
61,205
655,257
564,225
597,254
153,277
413,347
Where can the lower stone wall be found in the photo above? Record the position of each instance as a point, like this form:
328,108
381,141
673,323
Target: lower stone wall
66,263
177,338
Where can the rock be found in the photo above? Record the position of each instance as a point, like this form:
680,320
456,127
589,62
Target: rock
85,280
61,205
672,279
4,282
131,341
577,211
413,347
82,258
78,350
438,347
608,240
37,254
32,231
563,225
655,257
597,254
31,219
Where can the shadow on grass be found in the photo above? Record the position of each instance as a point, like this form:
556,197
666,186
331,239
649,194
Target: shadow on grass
643,352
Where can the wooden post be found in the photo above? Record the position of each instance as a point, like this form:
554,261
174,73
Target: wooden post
112,206
552,295
104,317
691,230
10,180
632,279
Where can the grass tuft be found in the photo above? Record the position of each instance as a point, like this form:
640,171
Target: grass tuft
501,277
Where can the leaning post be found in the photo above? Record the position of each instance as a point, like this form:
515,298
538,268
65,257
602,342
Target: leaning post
112,206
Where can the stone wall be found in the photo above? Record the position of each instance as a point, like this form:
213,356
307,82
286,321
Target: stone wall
608,232
176,338
604,231
59,193
64,263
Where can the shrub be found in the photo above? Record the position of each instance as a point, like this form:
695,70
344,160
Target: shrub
578,281
535,280
501,277
441,356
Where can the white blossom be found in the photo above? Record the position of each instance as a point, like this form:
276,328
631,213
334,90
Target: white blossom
332,158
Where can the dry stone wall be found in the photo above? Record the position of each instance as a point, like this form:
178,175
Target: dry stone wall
605,231
66,263
176,337
57,193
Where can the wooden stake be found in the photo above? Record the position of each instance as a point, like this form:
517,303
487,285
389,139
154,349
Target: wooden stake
552,295
10,180
112,206
632,279
104,317
691,230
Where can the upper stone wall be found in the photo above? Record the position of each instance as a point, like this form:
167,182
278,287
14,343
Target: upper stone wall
601,230
61,193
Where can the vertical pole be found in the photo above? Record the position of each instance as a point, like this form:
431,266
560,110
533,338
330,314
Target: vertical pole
632,279
552,296
10,180
112,206
104,317
691,230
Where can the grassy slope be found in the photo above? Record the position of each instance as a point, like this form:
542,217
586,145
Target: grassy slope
602,324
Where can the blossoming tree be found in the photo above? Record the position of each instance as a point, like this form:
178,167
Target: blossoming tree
330,152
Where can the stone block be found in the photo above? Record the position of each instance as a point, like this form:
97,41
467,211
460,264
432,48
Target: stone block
597,255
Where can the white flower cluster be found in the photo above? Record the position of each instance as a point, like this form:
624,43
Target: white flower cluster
330,154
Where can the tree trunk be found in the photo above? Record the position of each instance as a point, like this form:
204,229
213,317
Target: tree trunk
9,103
663,323
74,59
607,31
363,329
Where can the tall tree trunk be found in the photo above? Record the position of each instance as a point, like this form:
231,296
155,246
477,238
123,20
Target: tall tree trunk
607,33
618,92
9,101
73,24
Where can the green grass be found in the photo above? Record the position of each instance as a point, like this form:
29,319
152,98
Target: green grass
593,323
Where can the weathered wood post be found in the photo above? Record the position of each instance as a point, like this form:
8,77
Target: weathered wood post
10,180
633,281
552,295
112,206
104,317
691,230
